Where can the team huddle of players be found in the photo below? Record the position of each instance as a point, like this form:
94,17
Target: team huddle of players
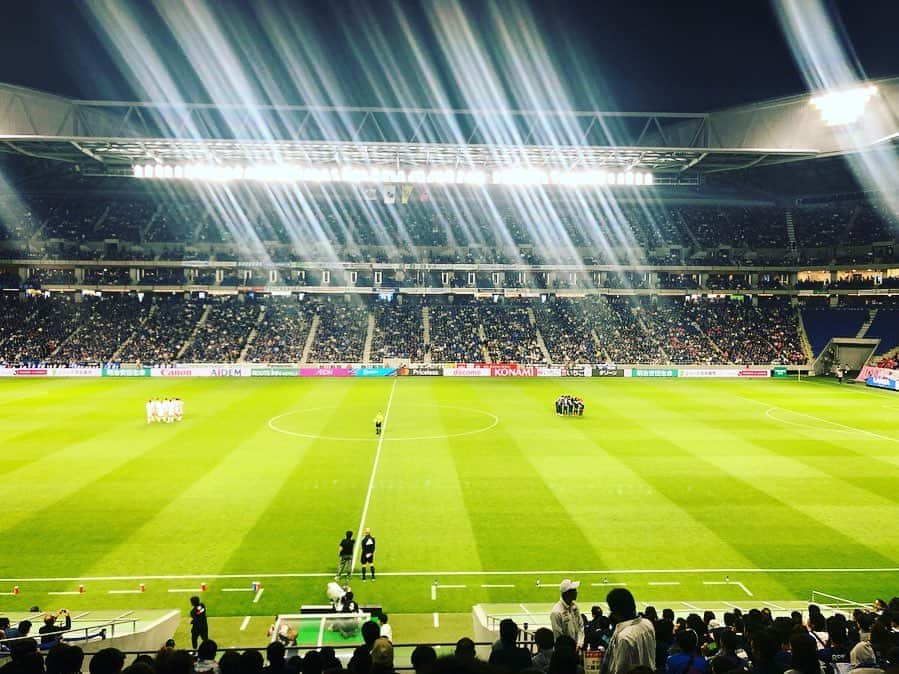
165,410
569,406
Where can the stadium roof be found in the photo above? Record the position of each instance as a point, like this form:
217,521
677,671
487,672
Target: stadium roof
108,137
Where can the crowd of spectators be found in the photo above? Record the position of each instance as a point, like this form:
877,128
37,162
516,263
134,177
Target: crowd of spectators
511,337
458,225
158,328
566,332
455,333
107,323
222,336
159,340
281,335
342,329
35,327
755,641
398,332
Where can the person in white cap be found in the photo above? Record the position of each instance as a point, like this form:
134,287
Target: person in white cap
565,617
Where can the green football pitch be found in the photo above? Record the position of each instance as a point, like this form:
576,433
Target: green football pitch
741,492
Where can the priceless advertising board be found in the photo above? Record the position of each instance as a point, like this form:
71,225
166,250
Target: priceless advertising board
883,382
125,372
424,371
275,372
654,372
31,372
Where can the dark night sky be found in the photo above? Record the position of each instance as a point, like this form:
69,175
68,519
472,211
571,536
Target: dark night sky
641,54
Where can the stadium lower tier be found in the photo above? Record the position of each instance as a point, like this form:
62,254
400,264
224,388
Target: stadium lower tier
71,330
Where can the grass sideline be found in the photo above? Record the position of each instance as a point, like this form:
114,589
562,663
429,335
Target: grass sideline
738,491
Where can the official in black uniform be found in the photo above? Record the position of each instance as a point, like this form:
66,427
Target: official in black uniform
199,626
345,551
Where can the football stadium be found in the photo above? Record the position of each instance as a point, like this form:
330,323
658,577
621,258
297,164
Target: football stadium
405,336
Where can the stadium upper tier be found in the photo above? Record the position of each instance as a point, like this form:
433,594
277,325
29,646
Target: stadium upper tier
158,329
439,225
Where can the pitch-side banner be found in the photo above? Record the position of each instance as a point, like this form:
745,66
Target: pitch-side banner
882,372
125,372
710,372
77,372
466,372
326,372
275,372
883,382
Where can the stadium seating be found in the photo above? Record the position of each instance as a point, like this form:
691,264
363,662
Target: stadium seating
886,327
821,325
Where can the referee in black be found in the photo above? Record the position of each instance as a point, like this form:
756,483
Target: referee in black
368,554
345,550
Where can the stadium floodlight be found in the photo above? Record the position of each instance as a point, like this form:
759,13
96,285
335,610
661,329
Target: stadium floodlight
520,176
355,174
839,108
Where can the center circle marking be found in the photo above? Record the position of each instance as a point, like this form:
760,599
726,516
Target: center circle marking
273,425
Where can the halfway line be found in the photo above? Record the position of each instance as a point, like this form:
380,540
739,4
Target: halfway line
371,481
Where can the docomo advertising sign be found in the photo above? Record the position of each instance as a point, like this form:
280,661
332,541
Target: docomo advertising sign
466,372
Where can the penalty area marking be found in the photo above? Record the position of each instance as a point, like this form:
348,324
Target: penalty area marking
258,595
729,582
436,619
498,585
237,589
124,592
243,625
664,582
272,424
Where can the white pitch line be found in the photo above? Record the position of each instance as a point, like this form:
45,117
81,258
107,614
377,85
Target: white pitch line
433,593
610,584
71,592
79,616
243,625
189,589
237,589
412,574
450,587
776,607
321,632
727,603
436,619
524,609
124,591
729,582
499,585
371,481
664,582
258,595
124,615
691,606
821,419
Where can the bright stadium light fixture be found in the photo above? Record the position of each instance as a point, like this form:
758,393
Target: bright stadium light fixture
649,179
839,108
138,171
520,176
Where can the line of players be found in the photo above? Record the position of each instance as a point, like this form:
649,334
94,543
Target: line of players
569,406
165,410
